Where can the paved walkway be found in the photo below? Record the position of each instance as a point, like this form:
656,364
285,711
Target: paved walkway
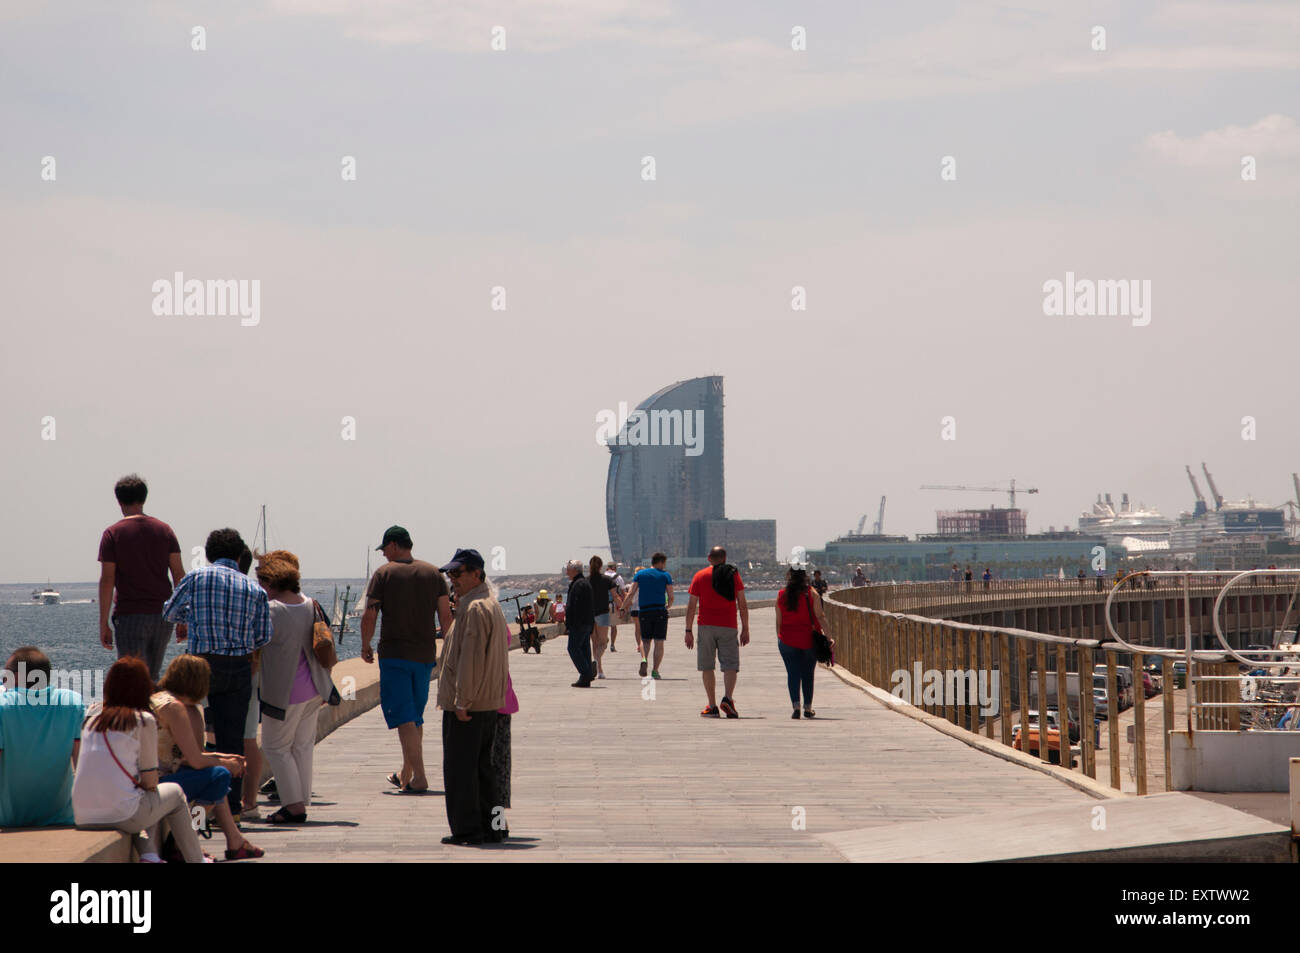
605,774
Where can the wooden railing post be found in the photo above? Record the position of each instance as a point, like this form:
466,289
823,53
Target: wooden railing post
1043,752
1139,726
1167,696
1087,717
1063,707
1112,720
1004,683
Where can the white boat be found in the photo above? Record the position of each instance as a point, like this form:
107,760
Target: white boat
46,596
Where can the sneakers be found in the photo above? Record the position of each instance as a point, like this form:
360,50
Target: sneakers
710,711
581,683
655,673
600,674
728,707
251,813
644,666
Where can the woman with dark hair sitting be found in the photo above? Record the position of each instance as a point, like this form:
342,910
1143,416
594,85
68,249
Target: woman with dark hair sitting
116,786
204,777
797,606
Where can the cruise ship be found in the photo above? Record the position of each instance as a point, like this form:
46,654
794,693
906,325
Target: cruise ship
1135,530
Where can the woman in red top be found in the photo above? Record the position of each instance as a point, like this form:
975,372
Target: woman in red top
796,607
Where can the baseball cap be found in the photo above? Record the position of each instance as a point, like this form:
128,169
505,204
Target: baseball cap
464,558
395,534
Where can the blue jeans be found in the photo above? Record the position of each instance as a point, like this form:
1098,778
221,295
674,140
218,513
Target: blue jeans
580,651
229,691
201,785
799,667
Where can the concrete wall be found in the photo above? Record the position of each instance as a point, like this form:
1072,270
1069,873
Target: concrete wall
1232,760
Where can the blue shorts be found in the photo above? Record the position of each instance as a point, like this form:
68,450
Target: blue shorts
201,785
602,620
403,690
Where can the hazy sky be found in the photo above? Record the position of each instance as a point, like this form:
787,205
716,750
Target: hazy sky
522,168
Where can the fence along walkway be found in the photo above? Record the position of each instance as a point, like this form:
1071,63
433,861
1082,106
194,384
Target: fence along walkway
605,774
878,636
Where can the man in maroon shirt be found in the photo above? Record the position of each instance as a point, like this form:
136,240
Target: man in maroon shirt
135,555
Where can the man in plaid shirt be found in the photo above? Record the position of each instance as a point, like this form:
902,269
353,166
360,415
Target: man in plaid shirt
228,618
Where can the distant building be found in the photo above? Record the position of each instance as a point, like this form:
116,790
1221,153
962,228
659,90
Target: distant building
665,490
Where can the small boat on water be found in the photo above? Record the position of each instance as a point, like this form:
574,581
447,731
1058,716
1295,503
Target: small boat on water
46,596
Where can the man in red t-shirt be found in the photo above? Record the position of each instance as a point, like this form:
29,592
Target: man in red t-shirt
718,593
135,556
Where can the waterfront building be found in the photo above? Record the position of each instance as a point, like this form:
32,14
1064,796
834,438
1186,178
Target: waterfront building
665,490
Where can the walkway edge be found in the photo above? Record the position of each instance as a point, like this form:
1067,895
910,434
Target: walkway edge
1080,782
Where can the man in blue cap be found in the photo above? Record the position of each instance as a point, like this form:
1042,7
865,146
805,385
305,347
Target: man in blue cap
409,593
471,688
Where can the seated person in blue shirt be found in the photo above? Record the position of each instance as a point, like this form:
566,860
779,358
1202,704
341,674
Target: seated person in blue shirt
40,737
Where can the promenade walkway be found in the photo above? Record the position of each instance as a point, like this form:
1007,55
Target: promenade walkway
606,774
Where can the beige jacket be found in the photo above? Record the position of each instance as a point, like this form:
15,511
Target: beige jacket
473,667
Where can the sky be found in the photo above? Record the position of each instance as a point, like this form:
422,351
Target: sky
523,169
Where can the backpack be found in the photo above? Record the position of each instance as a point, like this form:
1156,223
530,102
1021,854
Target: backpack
724,581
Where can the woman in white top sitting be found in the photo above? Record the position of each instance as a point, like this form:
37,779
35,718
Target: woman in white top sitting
116,786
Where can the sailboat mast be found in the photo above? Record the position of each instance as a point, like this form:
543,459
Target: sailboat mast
264,549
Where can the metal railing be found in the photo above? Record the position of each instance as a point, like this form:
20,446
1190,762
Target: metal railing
878,640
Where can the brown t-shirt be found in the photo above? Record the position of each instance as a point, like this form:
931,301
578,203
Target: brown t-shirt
141,548
406,593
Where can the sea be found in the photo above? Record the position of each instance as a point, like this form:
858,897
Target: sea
69,631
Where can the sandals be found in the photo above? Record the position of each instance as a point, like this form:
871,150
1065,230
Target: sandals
282,816
395,781
795,714
809,713
246,852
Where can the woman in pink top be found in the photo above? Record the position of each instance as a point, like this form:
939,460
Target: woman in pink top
501,752
797,605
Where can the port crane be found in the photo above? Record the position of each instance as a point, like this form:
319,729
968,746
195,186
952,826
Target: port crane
878,527
1009,490
1214,490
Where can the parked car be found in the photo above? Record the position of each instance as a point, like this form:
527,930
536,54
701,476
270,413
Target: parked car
1029,740
1180,674
1148,685
1124,687
1101,701
1155,670
1054,718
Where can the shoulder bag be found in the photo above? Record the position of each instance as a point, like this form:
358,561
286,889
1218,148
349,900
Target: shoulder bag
322,639
823,647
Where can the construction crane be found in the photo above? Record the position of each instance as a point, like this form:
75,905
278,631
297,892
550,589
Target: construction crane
1214,490
1009,490
1296,480
861,524
879,527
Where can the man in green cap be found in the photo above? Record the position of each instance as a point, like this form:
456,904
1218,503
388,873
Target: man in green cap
410,594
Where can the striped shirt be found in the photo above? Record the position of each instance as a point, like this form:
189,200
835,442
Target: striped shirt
227,613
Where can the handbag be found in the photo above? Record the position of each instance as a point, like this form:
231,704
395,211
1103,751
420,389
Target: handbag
322,639
822,646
